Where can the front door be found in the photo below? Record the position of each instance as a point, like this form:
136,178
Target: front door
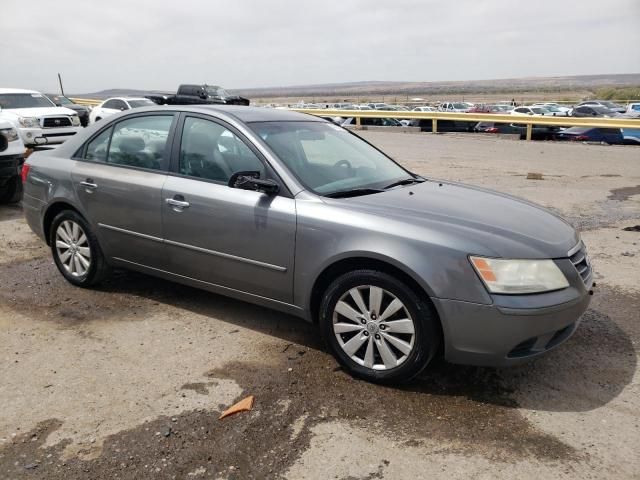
238,239
119,185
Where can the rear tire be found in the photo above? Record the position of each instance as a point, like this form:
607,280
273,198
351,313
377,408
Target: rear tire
76,251
377,327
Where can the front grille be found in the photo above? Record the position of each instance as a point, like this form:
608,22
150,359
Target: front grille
579,258
56,122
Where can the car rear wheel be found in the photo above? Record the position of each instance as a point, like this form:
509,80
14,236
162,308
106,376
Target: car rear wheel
75,250
377,327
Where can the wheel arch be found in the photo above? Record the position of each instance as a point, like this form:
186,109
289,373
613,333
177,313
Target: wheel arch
52,210
344,265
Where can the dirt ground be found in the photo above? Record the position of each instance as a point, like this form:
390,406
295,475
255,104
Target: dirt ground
128,380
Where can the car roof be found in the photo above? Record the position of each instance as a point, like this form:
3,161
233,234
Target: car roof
16,90
240,112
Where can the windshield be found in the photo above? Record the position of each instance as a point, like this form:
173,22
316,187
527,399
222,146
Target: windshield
603,110
140,103
328,159
59,99
215,91
460,106
24,100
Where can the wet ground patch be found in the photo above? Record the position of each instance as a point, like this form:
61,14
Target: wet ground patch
622,194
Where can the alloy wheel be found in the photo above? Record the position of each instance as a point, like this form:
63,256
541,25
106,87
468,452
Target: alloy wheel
72,248
373,327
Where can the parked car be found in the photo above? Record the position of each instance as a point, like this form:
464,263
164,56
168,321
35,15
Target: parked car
456,107
81,110
530,110
115,105
559,110
372,122
616,107
37,120
317,223
538,132
11,158
633,110
612,136
425,109
379,106
631,136
202,94
593,111
495,109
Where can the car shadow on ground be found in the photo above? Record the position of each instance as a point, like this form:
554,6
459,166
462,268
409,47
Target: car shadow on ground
585,373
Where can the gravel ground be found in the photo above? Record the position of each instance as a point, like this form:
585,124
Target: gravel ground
128,380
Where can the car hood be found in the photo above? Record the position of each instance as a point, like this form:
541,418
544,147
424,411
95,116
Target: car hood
38,112
480,221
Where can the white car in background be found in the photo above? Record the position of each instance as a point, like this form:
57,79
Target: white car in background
633,110
425,109
455,107
36,118
115,105
531,110
555,109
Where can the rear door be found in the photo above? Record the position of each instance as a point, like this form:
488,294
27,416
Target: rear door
238,239
118,180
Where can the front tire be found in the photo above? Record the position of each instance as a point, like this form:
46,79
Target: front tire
76,250
377,327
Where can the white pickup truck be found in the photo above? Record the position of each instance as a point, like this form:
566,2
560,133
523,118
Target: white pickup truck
36,118
11,159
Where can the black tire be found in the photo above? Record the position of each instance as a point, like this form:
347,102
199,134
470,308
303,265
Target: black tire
11,191
98,268
425,322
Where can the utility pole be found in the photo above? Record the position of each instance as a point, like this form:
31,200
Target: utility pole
60,81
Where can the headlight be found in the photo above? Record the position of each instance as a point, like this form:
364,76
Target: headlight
11,134
519,276
75,120
29,122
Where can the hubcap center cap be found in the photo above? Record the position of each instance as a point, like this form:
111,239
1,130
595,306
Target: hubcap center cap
372,328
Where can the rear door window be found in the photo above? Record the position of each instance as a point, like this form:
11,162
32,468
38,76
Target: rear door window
97,148
141,142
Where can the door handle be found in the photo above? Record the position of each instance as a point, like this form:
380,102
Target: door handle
177,205
89,185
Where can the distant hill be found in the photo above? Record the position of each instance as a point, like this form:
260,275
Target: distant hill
508,85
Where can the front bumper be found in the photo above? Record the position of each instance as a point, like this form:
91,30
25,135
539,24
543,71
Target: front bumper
46,136
492,335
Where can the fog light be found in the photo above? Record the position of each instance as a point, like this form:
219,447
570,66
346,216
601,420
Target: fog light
29,135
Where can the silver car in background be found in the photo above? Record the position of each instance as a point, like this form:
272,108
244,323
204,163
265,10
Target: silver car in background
295,213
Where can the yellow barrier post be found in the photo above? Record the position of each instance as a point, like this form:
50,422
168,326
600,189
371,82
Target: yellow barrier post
358,125
434,125
529,130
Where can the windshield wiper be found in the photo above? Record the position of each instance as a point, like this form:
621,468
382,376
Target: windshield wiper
354,192
406,181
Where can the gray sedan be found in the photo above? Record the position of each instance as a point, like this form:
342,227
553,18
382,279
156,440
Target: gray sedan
295,213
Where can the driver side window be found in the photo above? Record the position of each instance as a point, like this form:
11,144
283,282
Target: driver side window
210,151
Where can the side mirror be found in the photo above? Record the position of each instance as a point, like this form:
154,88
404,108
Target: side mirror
250,180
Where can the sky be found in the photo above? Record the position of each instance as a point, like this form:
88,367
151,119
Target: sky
159,44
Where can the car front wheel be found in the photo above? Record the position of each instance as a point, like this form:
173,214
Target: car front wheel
377,327
75,250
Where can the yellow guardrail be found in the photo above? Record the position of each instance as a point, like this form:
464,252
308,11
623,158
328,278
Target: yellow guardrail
528,120
86,101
